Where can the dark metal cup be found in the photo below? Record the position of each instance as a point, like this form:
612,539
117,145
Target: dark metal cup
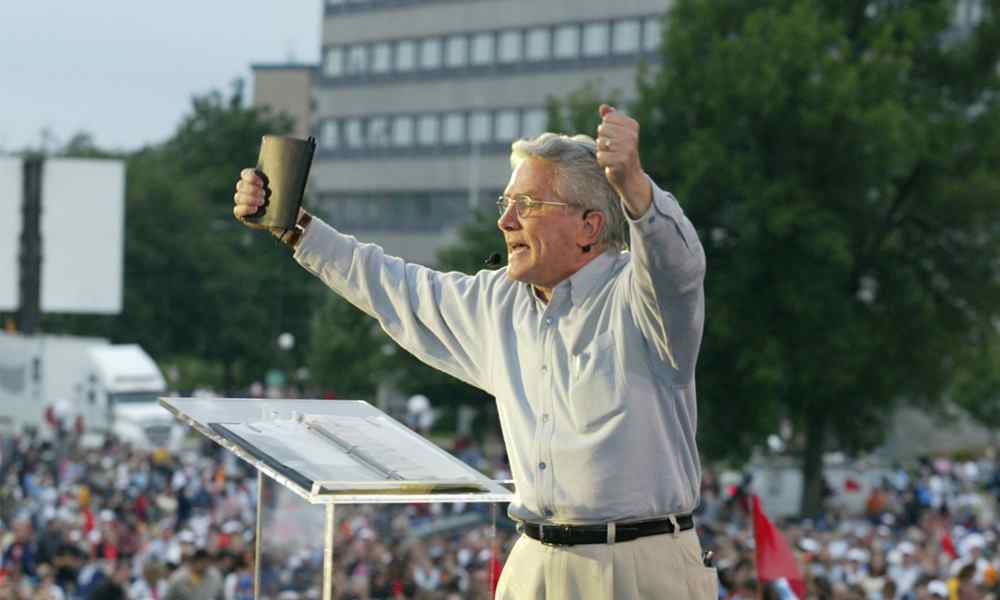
283,164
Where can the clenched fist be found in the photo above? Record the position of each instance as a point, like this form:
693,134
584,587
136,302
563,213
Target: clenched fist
618,154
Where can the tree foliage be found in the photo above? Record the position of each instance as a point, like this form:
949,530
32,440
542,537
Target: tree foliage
199,283
576,113
839,159
349,353
202,293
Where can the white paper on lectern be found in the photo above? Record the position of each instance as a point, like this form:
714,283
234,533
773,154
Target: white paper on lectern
407,455
296,447
337,451
372,449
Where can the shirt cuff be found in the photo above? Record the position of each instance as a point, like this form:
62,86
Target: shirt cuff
322,247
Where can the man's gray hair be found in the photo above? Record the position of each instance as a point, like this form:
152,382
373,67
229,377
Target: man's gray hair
579,179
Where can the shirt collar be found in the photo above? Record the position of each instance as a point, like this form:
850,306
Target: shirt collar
586,279
583,281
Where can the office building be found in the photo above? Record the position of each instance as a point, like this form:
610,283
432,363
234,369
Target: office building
415,102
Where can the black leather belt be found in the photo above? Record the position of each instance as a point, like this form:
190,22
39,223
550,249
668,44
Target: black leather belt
571,535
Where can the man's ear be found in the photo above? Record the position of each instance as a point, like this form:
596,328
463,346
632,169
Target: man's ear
593,225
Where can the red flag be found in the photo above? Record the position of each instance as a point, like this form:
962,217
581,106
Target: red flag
947,545
775,560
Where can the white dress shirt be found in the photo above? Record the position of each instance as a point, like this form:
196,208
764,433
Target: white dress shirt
595,389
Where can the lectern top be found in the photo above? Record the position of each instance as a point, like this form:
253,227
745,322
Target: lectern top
336,451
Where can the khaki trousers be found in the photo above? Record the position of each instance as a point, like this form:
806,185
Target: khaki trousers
656,567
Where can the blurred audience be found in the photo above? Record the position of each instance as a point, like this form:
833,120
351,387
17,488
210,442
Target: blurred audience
116,522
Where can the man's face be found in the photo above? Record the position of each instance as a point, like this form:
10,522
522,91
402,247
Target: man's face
542,249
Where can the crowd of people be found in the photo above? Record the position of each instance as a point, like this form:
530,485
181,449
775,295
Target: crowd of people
118,522
928,531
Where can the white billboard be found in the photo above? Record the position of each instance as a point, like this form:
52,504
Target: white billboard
83,235
11,173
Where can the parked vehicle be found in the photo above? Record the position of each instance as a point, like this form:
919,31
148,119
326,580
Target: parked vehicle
61,383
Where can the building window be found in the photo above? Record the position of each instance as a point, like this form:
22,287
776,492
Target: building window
406,56
482,49
381,57
334,64
506,126
510,47
402,132
479,127
457,51
534,122
427,130
430,54
652,34
354,136
595,39
357,60
358,211
567,42
378,132
329,135
538,44
625,37
454,128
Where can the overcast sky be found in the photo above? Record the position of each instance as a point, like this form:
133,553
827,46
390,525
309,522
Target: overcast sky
125,70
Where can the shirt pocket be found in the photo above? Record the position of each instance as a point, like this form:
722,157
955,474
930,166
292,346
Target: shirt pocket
593,391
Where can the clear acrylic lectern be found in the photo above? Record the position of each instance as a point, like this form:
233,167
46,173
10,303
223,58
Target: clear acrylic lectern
326,452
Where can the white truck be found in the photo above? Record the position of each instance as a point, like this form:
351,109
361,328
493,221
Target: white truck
87,383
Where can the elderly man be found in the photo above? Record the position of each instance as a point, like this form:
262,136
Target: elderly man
589,350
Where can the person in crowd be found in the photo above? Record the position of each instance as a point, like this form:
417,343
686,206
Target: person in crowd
115,585
150,585
197,579
22,551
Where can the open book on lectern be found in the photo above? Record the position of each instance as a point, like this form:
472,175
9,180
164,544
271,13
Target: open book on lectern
333,447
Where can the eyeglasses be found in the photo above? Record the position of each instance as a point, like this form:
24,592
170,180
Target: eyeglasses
525,206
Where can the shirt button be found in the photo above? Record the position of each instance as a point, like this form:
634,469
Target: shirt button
545,417
545,368
541,466
548,320
548,512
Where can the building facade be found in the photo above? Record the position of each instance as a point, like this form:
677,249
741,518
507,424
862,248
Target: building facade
415,102
286,88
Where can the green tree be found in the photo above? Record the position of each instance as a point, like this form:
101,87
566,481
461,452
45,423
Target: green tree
577,112
197,282
202,293
839,159
976,387
349,353
83,145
